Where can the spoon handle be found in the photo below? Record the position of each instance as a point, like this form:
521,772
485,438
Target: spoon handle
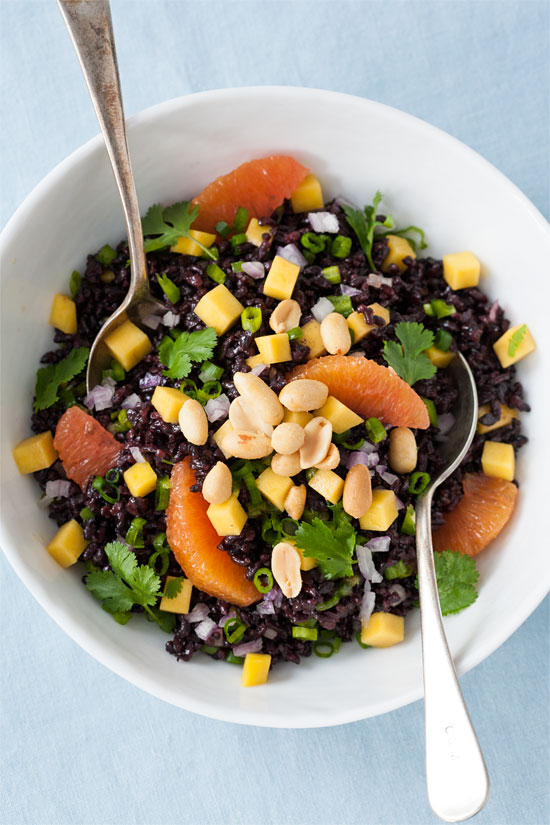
457,780
89,24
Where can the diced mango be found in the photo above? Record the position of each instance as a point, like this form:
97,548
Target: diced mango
63,314
300,418
498,460
356,322
254,361
461,270
504,345
68,544
181,602
328,484
274,348
168,402
311,338
306,563
35,453
255,669
507,415
140,479
398,248
383,630
220,434
281,278
340,416
439,357
275,488
187,246
255,232
128,344
382,512
229,518
308,195
219,309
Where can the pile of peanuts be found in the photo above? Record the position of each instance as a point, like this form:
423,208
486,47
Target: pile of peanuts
334,330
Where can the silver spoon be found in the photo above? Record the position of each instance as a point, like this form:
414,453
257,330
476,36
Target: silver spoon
457,779
89,24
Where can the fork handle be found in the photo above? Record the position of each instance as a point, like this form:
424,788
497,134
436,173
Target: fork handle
89,24
457,780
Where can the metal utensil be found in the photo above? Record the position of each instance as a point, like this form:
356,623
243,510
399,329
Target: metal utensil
457,779
89,24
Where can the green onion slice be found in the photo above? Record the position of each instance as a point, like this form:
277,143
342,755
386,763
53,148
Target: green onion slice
162,493
259,585
418,482
375,430
251,319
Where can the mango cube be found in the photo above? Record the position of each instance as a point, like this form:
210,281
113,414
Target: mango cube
255,669
128,344
188,246
507,415
168,402
219,436
505,345
229,518
274,348
68,544
461,270
382,512
311,338
383,630
63,314
35,453
306,562
219,309
498,460
275,488
255,232
308,195
281,278
140,479
340,416
328,484
398,248
358,325
181,602
254,361
300,418
439,357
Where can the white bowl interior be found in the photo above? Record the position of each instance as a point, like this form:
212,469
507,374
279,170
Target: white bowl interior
355,147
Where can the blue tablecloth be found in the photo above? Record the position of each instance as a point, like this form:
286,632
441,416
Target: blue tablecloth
79,745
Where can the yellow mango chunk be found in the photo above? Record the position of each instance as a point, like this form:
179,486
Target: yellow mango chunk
63,314
383,630
312,338
181,602
140,479
274,348
307,196
168,402
255,669
220,434
498,460
306,563
254,361
505,345
358,325
275,488
219,309
461,270
328,484
398,248
300,418
187,246
67,544
128,344
507,415
439,357
255,232
382,512
281,278
229,518
35,453
340,416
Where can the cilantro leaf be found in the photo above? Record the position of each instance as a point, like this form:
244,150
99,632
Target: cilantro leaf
121,559
146,584
333,548
364,223
166,621
516,339
178,355
409,360
111,590
173,587
170,224
456,575
49,378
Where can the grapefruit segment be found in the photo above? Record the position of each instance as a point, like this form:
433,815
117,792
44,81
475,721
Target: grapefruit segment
194,543
479,516
259,185
368,388
85,447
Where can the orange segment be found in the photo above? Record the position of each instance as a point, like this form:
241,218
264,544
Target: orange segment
259,185
194,543
368,388
479,516
85,447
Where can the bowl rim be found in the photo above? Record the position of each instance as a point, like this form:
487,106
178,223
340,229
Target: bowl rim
79,633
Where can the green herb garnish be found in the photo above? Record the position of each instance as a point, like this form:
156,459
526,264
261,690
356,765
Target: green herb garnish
443,340
341,304
340,247
332,274
106,255
441,309
399,570
456,576
170,289
170,224
74,283
403,233
365,222
240,221
134,535
516,339
331,545
173,587
251,319
178,355
49,378
409,360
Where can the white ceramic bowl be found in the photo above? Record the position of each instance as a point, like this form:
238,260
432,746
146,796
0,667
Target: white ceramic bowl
355,146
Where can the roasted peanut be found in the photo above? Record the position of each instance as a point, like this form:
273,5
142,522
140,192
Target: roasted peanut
331,460
357,497
261,397
243,416
285,316
193,422
286,465
218,484
403,452
242,444
287,438
285,566
318,435
335,334
303,395
296,501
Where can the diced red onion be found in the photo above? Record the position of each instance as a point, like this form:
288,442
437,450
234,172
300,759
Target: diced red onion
389,478
366,564
375,280
367,604
321,309
381,468
372,459
149,381
58,489
398,503
291,253
217,408
265,608
137,455
323,222
131,402
349,290
493,312
380,544
108,382
367,447
445,422
270,633
357,457
170,319
151,321
255,269
199,612
231,615
45,501
400,591
205,628
258,369
248,647
99,398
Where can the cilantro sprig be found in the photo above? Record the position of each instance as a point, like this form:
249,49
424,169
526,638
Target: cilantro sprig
456,576
332,544
178,355
408,358
170,224
49,379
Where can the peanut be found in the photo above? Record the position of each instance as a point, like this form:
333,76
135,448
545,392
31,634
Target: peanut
243,444
261,397
285,316
303,395
318,435
243,416
335,334
331,460
287,438
296,501
357,497
403,452
218,484
193,422
285,566
286,465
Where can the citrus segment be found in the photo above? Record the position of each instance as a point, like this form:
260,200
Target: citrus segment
194,543
259,185
85,447
368,388
479,516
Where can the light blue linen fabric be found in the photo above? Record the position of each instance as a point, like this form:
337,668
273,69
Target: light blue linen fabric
79,745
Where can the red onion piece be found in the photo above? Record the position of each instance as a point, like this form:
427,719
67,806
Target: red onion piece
265,608
199,612
151,321
58,489
445,422
170,319
321,309
270,633
399,591
377,281
205,628
99,398
367,604
137,455
231,615
149,381
389,478
398,503
255,269
291,253
380,544
367,447
248,647
217,408
131,402
366,564
258,369
323,222
493,312
349,290
357,457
